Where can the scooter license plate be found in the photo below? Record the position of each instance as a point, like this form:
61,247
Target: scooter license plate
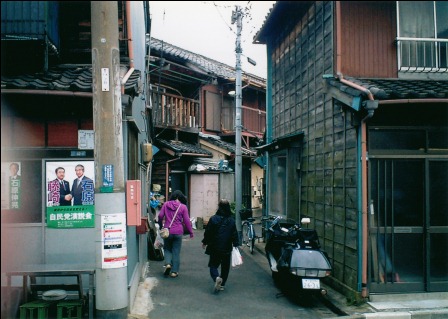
310,283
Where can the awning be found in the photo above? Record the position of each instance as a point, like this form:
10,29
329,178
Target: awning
180,148
282,142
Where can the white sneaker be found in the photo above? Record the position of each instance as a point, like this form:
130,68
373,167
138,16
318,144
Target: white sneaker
218,283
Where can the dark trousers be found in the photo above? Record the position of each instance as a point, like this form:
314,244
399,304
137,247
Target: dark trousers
216,260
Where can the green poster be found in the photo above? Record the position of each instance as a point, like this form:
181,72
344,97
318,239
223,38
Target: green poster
82,216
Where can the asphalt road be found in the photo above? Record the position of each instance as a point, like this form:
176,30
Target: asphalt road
250,291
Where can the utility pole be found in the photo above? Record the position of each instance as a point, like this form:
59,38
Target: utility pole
237,16
110,209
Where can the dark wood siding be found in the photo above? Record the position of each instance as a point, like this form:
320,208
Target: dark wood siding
62,133
368,46
301,56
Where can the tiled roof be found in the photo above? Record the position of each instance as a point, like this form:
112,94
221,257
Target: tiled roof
179,147
393,89
229,146
207,65
69,78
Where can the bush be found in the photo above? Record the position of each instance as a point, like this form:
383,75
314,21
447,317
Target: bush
232,208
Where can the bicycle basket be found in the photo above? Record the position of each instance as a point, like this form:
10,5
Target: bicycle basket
245,213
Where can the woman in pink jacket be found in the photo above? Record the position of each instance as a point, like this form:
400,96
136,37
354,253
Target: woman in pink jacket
173,244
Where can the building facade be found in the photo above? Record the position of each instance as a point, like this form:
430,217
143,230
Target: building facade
357,136
47,116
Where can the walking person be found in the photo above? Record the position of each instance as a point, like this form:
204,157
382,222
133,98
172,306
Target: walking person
174,213
220,237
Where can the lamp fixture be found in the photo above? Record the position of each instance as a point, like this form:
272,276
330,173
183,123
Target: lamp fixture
251,61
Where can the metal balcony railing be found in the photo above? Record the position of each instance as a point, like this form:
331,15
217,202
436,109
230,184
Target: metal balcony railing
422,54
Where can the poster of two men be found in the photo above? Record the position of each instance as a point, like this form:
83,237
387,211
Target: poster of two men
70,194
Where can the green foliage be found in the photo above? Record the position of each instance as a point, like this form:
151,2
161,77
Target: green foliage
233,206
355,299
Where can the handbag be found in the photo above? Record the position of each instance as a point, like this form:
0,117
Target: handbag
237,259
165,232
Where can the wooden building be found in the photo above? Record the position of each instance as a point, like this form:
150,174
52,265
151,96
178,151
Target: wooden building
357,124
193,127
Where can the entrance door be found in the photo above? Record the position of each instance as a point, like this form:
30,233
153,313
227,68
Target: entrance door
408,225
437,271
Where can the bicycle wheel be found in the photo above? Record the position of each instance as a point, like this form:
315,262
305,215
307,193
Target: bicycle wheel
245,233
251,238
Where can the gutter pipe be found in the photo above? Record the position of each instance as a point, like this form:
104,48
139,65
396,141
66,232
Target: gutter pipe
129,34
48,92
130,46
408,101
364,205
362,139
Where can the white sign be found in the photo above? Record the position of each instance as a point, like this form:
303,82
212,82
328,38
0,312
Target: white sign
114,253
105,79
86,139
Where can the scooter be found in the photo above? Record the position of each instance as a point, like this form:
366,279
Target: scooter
294,255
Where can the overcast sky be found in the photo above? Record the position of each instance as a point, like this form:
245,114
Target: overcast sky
205,27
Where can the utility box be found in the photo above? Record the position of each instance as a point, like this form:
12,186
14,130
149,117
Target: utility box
133,202
146,152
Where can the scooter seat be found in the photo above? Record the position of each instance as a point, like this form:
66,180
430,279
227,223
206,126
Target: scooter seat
308,238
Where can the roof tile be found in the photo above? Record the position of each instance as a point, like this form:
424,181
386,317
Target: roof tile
390,89
74,78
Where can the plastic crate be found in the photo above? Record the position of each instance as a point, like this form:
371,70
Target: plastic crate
35,308
70,309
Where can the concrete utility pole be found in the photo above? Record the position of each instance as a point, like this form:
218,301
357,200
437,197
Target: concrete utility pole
237,16
111,282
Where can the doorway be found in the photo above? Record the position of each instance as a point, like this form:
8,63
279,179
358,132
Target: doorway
408,224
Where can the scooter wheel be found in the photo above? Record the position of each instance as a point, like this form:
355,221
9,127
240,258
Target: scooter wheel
276,277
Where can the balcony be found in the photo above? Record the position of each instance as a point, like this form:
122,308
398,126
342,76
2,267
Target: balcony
253,120
422,55
174,111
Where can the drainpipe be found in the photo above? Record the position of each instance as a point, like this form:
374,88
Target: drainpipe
371,106
130,46
48,92
167,169
363,154
129,34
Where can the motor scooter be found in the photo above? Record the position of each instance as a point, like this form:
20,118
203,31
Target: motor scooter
294,255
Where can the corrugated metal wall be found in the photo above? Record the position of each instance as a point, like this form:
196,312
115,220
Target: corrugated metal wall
30,20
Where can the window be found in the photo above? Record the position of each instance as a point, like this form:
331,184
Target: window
422,35
213,104
284,182
278,183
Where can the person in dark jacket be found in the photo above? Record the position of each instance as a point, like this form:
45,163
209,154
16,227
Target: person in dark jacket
173,244
220,237
65,197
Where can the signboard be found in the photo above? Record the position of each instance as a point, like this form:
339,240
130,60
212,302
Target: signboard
11,185
114,249
70,194
86,139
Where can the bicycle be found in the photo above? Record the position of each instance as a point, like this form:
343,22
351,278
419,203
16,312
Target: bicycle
248,229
